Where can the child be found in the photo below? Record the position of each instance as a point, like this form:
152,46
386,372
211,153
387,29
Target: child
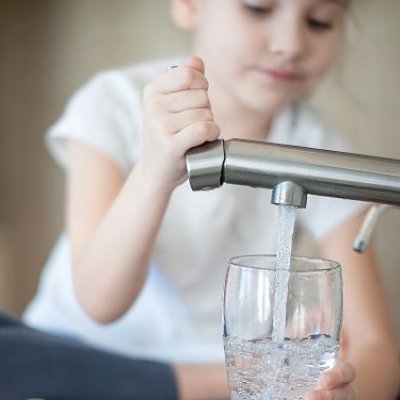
140,268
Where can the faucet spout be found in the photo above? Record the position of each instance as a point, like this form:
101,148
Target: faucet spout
318,172
294,172
289,193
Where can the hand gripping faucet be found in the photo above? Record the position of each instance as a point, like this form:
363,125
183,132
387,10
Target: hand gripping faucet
294,172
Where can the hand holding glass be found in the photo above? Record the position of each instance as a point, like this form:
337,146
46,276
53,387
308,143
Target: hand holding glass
259,368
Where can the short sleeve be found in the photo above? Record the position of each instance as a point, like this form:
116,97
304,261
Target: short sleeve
104,114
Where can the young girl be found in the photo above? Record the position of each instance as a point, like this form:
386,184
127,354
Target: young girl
139,270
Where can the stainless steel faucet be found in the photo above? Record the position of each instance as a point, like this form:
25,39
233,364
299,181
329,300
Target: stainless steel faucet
294,172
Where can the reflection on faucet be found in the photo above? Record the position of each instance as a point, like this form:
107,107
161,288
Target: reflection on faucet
294,172
297,171
365,233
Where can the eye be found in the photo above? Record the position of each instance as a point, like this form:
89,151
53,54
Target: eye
318,25
256,9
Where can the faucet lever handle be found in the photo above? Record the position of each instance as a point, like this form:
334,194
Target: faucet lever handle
364,235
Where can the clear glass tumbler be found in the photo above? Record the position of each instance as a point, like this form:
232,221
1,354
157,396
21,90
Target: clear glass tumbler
259,368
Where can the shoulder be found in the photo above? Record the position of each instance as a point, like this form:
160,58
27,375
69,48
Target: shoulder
105,113
305,126
141,74
123,83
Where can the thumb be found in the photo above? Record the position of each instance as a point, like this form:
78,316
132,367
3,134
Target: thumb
196,63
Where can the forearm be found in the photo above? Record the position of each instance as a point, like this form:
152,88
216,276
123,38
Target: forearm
115,259
378,372
201,382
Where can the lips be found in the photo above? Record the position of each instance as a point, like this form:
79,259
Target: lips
282,75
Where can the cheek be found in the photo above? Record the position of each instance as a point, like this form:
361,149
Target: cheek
229,52
235,39
325,57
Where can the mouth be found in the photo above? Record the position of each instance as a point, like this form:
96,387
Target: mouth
281,75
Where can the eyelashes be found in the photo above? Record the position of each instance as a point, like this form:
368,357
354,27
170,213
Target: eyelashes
257,10
319,25
262,11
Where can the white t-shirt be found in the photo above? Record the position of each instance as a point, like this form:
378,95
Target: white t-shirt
177,317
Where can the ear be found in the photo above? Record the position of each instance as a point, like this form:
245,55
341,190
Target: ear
184,13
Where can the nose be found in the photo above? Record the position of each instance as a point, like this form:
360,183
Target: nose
287,38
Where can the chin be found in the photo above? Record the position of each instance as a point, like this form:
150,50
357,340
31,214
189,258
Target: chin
268,104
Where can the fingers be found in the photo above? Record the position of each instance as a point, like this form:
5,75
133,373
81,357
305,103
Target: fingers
187,99
179,121
166,123
176,146
335,384
341,374
178,101
179,98
345,392
176,117
196,134
177,79
196,63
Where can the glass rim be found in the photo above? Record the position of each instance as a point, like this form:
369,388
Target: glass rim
333,265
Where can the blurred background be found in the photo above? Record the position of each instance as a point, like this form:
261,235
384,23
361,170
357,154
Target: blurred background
48,48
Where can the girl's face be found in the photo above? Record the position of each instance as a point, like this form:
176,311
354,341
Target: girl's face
266,53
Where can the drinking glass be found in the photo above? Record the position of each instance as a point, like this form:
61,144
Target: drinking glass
260,368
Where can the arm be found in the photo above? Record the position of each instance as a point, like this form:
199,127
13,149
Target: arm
105,216
201,382
113,224
367,338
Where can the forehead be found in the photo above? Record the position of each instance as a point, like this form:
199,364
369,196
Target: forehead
294,3
219,7
342,3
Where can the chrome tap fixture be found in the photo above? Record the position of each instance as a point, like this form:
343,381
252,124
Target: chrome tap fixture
293,172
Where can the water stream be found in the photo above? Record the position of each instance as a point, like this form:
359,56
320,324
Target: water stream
287,216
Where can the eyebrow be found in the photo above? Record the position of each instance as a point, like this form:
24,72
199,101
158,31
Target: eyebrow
343,3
